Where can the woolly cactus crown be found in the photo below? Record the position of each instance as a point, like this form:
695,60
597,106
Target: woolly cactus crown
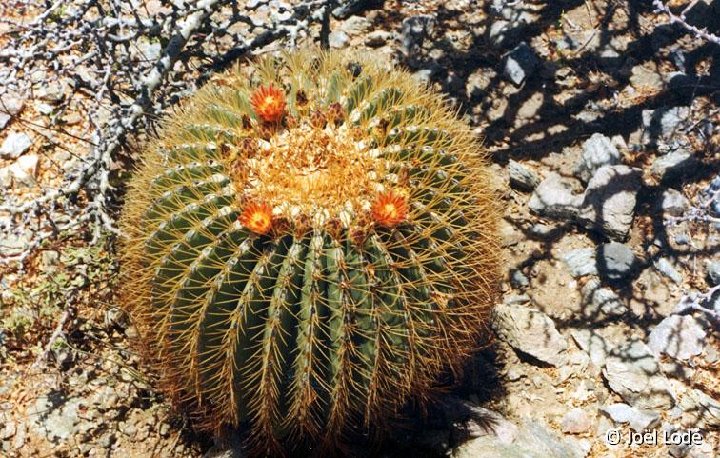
310,242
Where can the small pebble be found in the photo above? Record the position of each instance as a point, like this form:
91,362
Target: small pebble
665,267
576,421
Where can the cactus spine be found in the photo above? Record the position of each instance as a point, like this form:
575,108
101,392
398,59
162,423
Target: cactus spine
310,242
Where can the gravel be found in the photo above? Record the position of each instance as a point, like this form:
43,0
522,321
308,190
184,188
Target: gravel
583,184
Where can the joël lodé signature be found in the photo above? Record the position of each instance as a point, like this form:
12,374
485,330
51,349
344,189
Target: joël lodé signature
653,437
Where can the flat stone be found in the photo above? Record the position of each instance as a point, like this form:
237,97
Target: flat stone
9,430
581,262
520,64
532,440
355,25
679,336
633,372
423,76
45,108
355,7
55,418
609,201
554,198
5,178
642,77
15,144
576,421
607,205
530,331
4,119
377,38
72,119
338,39
13,245
702,407
476,421
713,272
711,355
662,123
597,152
593,344
478,83
673,165
49,258
516,299
673,203
414,31
599,302
521,178
499,32
52,92
616,261
518,279
542,231
665,267
23,170
19,441
9,106
146,49
638,419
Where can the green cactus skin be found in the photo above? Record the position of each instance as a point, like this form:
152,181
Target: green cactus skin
330,322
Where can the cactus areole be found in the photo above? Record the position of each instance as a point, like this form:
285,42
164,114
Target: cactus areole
311,240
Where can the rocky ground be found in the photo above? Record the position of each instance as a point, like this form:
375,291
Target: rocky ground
603,123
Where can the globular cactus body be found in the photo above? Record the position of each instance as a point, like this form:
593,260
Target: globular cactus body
309,243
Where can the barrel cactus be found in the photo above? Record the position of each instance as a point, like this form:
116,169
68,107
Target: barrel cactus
310,241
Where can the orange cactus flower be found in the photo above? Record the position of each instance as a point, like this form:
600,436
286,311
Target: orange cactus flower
268,103
389,209
257,217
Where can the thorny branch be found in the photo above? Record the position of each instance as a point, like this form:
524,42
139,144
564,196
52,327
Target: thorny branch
701,302
681,19
704,210
107,51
